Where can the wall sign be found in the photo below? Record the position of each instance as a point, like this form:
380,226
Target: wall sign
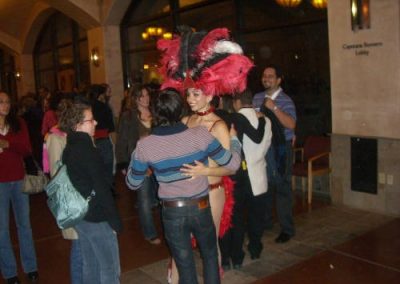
362,48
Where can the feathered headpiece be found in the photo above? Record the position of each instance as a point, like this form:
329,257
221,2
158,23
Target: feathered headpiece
207,61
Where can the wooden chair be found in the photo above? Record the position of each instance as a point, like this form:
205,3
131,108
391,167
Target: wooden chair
315,161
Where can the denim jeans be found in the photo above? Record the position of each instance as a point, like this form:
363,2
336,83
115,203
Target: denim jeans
280,189
147,199
100,255
106,149
179,224
76,263
10,193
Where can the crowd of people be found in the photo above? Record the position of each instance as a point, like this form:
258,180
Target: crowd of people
213,157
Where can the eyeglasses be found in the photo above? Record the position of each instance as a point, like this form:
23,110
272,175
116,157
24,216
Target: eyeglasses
88,120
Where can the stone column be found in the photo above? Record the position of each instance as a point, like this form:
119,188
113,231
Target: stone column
106,40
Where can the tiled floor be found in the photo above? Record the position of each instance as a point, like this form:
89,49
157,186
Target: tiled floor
332,245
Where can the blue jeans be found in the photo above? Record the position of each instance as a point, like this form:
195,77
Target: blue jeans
106,149
100,255
10,193
179,223
280,189
76,263
147,199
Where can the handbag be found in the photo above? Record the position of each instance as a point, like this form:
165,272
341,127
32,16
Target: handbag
35,179
65,202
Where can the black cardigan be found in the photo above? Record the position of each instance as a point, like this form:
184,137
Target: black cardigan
85,168
243,125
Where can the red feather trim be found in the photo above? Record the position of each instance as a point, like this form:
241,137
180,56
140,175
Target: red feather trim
205,48
170,55
226,77
193,241
226,219
171,83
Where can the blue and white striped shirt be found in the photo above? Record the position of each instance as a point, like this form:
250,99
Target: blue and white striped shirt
167,150
283,102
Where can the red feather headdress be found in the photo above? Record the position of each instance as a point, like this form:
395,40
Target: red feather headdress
207,61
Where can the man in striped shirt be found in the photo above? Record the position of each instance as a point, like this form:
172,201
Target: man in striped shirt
280,109
185,206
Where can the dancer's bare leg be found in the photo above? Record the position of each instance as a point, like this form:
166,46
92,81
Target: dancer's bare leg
217,201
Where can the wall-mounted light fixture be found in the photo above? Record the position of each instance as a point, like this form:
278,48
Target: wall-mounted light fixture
360,15
95,57
17,75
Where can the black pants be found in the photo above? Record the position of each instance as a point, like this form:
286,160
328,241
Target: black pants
231,244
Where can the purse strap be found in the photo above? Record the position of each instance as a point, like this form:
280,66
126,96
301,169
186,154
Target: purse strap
92,194
37,165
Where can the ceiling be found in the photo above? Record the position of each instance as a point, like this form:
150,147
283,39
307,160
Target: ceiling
13,15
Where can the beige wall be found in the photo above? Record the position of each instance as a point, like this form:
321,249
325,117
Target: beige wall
365,81
366,101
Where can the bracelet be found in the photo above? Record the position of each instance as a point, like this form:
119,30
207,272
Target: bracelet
275,108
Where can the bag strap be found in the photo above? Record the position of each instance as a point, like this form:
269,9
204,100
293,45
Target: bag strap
37,164
92,194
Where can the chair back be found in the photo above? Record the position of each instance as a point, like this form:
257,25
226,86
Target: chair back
315,145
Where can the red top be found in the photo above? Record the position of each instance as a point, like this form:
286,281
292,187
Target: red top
11,158
49,120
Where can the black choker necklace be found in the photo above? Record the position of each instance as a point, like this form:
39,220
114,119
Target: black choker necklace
203,113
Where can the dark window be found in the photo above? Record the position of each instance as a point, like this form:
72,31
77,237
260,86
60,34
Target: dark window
8,73
61,55
296,39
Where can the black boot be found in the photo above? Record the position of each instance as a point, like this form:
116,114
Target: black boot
13,280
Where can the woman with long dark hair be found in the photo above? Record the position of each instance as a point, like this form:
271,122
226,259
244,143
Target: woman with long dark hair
135,123
14,146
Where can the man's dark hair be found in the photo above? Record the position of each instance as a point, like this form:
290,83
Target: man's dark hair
278,70
94,92
167,108
245,97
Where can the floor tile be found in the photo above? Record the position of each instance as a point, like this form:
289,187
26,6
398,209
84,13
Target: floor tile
237,277
137,276
332,268
259,269
303,251
381,245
